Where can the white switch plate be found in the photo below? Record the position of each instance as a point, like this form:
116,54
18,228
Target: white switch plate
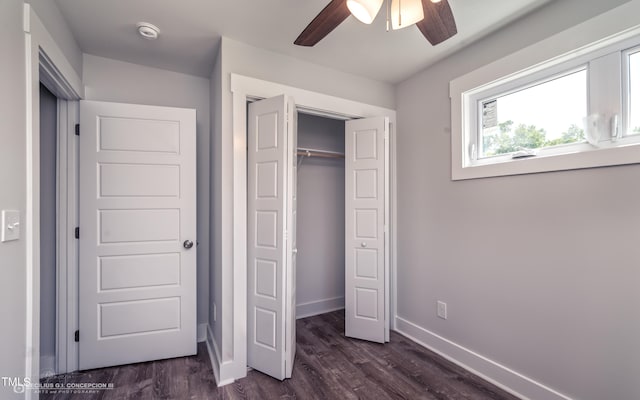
442,309
10,225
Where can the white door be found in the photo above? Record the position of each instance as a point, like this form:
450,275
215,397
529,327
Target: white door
366,220
137,226
271,236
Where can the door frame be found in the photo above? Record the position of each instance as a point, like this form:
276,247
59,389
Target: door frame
46,63
245,88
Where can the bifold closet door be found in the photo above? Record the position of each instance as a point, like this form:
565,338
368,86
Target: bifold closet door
271,236
137,272
367,219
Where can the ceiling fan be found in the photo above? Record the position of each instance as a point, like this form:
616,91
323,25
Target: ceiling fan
434,18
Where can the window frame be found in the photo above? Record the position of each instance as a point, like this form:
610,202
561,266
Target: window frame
556,56
626,89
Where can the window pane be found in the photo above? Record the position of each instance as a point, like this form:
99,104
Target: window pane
543,115
634,93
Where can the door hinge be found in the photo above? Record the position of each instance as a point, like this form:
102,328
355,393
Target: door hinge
76,336
77,233
77,129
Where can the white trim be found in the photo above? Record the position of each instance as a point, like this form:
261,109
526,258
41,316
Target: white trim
44,60
67,263
307,101
239,229
245,88
317,307
61,239
214,356
505,378
32,216
591,36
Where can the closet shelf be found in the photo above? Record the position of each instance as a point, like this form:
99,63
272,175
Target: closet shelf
319,153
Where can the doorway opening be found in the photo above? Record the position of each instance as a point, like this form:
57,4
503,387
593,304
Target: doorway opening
273,226
320,216
48,230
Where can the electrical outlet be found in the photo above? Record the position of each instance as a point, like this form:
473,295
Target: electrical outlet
442,309
215,313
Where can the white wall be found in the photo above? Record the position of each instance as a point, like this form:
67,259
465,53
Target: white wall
54,22
321,219
117,81
243,59
48,228
13,193
556,298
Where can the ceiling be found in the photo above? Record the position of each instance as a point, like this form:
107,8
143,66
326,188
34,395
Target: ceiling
191,31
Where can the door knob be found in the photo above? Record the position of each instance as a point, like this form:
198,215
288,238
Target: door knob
363,244
187,244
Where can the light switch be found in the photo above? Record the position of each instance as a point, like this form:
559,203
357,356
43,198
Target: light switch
10,225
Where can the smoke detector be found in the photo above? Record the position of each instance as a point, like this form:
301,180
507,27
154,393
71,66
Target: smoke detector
148,31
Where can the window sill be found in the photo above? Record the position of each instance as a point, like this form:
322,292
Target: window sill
621,154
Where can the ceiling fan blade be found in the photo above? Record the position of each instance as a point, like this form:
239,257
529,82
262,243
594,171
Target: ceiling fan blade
438,24
328,19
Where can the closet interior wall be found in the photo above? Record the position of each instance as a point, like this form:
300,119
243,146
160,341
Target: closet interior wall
321,221
48,210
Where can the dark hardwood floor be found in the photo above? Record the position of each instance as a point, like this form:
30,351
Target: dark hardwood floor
327,366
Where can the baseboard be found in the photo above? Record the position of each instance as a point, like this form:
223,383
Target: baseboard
47,366
216,360
202,333
312,308
499,375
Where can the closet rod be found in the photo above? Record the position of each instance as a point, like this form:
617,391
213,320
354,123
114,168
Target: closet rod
319,153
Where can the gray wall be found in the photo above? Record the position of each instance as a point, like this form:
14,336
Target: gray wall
48,234
13,177
117,81
215,266
556,299
320,228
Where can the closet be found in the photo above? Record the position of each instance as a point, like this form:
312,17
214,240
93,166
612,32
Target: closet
320,222
317,227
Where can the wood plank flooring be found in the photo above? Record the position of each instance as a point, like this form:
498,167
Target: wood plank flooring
327,366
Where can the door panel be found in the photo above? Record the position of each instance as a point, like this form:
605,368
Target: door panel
366,219
137,207
271,342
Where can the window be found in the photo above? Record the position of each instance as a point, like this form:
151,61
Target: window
553,106
545,114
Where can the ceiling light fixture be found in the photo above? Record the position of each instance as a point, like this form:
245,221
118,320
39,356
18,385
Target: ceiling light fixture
400,13
434,19
405,13
364,10
148,31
